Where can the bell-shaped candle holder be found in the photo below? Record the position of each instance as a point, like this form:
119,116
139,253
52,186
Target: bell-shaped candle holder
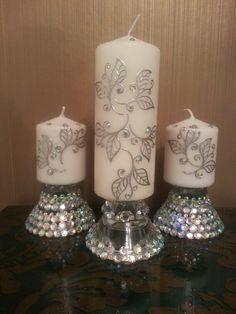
124,233
188,213
60,212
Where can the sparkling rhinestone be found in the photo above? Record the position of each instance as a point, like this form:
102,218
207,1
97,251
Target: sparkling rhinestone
47,207
118,258
186,210
62,207
35,231
56,233
72,231
137,249
197,235
181,220
201,228
173,233
189,235
39,224
46,218
53,219
125,216
71,223
49,234
54,207
184,228
146,255
61,225
109,215
181,234
79,229
103,255
46,226
100,245
41,232
197,222
193,228
194,211
53,227
64,233
131,258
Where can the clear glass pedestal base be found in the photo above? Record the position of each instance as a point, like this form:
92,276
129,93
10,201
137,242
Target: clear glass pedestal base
188,213
124,234
60,212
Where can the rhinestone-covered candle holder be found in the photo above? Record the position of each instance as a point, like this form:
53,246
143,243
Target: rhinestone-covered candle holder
60,212
188,213
124,234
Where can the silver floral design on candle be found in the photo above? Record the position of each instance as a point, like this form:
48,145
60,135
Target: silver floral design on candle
188,213
127,182
187,142
47,151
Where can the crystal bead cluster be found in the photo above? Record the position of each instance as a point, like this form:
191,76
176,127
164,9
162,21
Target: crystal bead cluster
124,234
59,215
142,250
188,217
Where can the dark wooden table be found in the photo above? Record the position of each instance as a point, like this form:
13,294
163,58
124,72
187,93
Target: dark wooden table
61,276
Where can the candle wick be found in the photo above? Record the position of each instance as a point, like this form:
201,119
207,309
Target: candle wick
62,111
190,112
133,25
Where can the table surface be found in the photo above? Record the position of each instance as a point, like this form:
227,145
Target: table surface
59,276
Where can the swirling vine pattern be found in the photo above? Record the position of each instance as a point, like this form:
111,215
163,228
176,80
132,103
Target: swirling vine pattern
47,151
203,158
107,89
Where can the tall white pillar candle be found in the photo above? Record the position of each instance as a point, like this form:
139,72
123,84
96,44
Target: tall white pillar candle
127,74
61,150
190,153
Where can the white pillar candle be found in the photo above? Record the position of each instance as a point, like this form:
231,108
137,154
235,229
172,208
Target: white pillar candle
127,74
190,153
61,150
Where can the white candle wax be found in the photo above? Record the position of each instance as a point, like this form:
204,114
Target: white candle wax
190,153
61,151
127,74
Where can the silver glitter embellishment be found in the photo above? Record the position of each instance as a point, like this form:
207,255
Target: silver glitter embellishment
188,217
59,215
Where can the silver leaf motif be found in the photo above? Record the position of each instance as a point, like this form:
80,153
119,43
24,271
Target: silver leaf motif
119,186
176,147
187,140
47,151
141,176
112,147
100,90
145,102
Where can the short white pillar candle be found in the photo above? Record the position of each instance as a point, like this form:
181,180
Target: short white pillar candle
127,77
190,153
61,151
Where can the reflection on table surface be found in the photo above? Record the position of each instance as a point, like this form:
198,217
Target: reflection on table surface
55,276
